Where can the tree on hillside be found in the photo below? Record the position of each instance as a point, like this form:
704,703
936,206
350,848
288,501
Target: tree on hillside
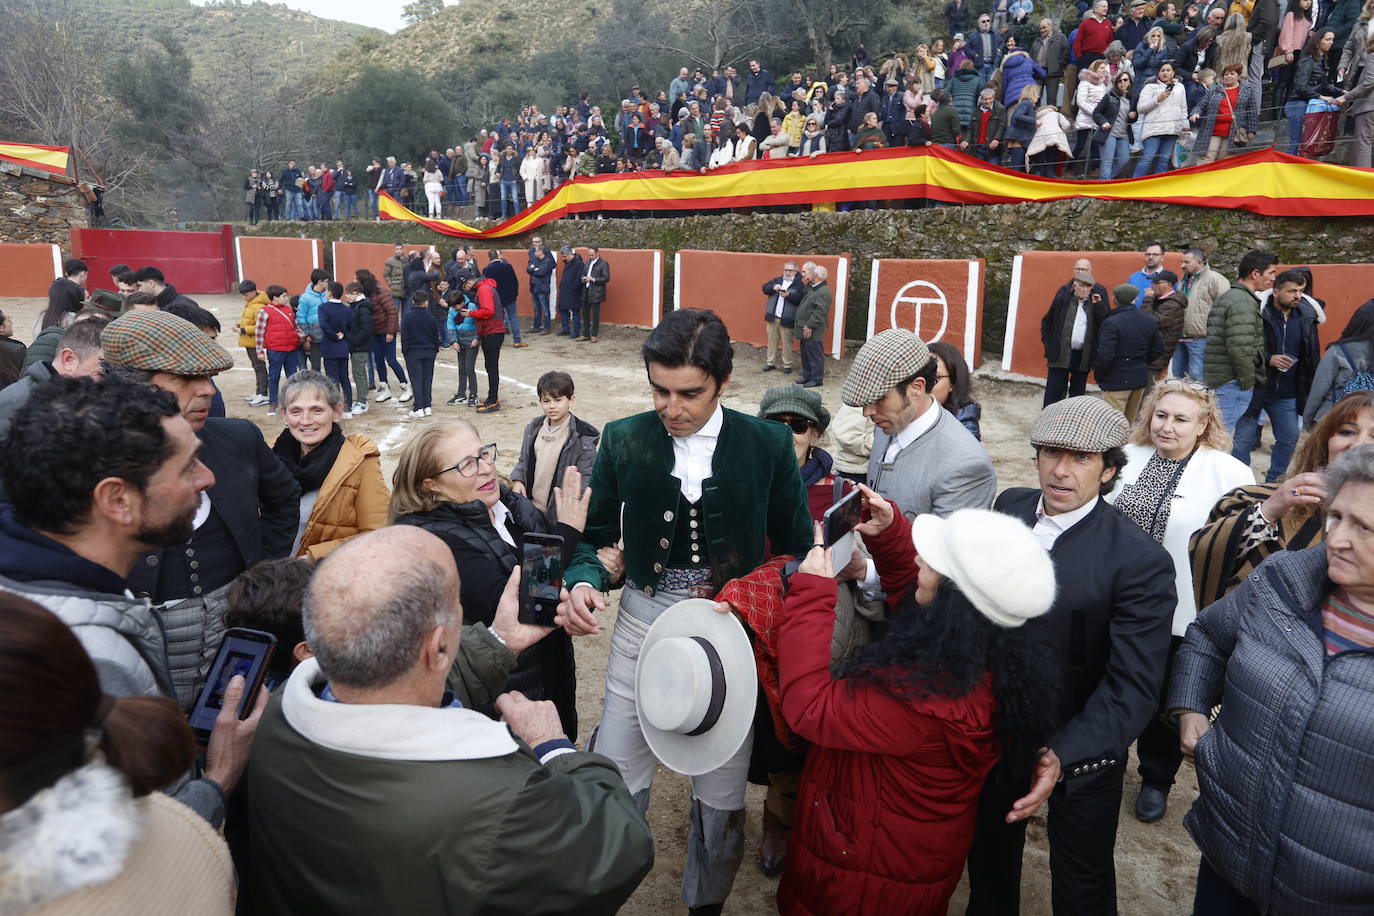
420,10
705,33
383,113
826,22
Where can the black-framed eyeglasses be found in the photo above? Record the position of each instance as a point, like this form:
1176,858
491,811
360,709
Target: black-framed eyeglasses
799,424
468,466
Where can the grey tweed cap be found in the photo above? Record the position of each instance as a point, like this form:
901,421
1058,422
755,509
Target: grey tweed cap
881,363
1081,424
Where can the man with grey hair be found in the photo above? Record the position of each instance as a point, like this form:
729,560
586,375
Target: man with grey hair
374,791
812,312
78,356
783,293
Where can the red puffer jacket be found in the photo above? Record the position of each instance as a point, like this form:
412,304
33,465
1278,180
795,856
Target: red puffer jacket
889,796
488,313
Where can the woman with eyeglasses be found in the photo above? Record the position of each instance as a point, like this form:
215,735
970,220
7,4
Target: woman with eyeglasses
954,386
1114,115
1178,464
446,482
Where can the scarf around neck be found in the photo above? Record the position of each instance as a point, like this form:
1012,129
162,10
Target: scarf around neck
311,470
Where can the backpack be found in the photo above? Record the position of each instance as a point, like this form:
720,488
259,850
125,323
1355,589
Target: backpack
1362,380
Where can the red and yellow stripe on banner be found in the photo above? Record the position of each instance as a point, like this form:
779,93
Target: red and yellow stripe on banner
1265,181
47,158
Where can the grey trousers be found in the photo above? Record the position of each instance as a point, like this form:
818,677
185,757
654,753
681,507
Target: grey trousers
715,842
1364,140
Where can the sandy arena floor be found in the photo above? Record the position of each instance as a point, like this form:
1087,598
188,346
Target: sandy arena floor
1156,863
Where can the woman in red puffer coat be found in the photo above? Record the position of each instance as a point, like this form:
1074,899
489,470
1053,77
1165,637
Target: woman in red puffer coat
903,740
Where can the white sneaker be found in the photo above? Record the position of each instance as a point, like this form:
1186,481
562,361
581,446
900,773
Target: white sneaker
348,414
383,393
257,400
406,393
429,411
360,407
416,414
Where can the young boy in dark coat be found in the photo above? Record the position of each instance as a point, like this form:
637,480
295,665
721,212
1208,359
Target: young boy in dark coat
420,344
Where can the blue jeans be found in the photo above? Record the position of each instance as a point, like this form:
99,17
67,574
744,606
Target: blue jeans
987,154
1294,111
541,310
339,368
310,207
1156,155
1283,412
1233,402
348,209
458,191
1188,358
293,204
1116,154
280,362
372,204
384,353
512,321
510,197
572,321
326,202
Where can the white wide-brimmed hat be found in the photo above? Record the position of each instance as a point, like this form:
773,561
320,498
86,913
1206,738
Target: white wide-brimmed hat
696,686
993,558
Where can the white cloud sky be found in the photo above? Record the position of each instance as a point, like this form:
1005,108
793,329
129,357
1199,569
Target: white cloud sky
380,14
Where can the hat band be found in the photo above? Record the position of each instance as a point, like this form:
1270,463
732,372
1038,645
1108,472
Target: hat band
717,703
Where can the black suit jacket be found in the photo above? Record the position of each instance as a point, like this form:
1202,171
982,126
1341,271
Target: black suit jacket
1109,627
506,282
600,272
254,493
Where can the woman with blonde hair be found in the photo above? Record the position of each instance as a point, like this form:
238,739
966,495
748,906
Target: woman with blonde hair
446,483
1233,47
1178,464
923,67
1022,123
1149,54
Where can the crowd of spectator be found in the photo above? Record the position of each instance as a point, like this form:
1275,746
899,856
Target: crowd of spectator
1163,83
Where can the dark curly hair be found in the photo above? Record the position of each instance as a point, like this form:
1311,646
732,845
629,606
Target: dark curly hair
74,433
947,647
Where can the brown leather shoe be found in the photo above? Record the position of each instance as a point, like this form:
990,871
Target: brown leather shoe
521,344
584,338
593,340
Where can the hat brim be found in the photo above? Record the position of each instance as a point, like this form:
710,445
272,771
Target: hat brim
927,536
696,755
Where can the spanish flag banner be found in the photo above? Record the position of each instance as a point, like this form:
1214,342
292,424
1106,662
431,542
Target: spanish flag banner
45,158
1265,182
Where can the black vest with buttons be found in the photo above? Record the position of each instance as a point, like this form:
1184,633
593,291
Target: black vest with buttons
688,548
209,560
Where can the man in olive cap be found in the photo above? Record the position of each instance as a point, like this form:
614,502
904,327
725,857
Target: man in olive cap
250,514
1109,630
923,458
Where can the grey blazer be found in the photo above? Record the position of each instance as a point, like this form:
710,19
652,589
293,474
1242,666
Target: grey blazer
943,470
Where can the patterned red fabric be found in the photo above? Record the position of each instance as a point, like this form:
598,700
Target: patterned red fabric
757,598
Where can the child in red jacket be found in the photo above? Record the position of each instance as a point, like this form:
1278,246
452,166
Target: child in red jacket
277,340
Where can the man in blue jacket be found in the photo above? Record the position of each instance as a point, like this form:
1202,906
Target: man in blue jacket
540,270
760,81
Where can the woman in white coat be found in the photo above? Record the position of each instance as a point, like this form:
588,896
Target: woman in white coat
1178,465
533,171
1163,108
1050,139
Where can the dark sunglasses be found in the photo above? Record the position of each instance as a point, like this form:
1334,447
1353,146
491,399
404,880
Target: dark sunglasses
799,424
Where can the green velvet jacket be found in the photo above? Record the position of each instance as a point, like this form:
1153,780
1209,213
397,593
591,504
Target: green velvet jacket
754,494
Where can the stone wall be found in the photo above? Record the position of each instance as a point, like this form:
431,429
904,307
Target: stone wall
994,233
38,207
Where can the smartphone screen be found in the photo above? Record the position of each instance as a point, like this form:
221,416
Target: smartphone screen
541,578
841,518
244,652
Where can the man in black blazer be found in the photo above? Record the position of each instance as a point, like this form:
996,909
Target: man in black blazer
251,513
1109,627
596,274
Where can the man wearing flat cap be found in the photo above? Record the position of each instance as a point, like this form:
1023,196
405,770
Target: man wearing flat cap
1109,628
251,512
923,458
1069,333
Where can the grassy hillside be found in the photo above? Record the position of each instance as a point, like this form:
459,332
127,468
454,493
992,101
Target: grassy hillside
222,38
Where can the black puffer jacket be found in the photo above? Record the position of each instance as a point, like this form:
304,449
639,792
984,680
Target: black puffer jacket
545,670
1127,342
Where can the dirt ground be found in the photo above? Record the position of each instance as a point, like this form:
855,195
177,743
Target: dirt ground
1156,863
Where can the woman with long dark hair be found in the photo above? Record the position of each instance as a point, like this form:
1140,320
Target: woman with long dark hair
954,386
903,741
1311,83
1351,354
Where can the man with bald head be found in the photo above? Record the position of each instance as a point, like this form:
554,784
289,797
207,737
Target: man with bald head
374,790
1069,332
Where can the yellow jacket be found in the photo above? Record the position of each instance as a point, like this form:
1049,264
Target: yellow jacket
353,499
248,321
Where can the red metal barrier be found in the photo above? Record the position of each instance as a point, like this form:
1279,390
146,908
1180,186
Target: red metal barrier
193,262
28,270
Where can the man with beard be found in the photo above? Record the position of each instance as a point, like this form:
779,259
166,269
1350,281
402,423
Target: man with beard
250,513
99,472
